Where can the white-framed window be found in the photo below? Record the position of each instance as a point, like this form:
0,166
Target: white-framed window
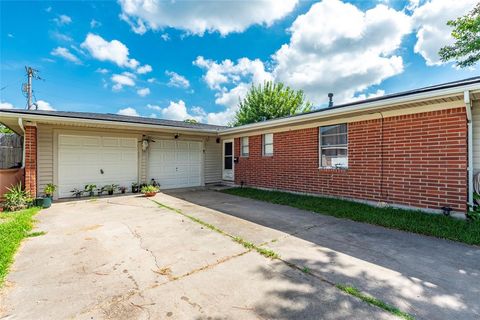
267,144
333,147
245,148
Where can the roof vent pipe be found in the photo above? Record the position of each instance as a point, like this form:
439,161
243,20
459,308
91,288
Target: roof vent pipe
330,100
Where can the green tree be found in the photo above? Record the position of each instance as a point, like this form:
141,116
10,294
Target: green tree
270,101
190,121
4,129
466,32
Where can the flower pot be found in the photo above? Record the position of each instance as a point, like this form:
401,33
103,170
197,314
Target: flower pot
123,191
38,202
110,192
150,194
47,202
92,193
134,189
50,197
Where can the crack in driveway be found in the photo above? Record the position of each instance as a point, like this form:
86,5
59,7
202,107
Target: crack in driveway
137,236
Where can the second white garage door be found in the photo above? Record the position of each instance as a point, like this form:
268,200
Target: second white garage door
175,164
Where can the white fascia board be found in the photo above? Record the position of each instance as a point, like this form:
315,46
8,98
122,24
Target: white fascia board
49,118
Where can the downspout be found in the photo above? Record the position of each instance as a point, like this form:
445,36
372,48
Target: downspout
468,107
20,123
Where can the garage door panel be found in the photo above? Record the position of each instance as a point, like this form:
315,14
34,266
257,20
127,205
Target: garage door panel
176,164
166,144
92,142
69,141
81,159
129,143
183,157
111,142
129,156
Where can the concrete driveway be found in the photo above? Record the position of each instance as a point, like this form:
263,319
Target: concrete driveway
129,258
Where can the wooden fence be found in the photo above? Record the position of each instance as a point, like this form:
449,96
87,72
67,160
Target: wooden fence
10,150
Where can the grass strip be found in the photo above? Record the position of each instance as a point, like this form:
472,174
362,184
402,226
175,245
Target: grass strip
407,220
13,229
374,301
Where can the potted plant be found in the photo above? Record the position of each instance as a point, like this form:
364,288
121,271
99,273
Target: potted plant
122,189
150,191
110,188
77,193
100,191
49,190
90,188
134,187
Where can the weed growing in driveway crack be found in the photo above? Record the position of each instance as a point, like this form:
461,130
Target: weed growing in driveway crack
374,301
264,252
36,234
248,245
306,270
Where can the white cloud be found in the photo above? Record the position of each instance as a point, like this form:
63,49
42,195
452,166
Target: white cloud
44,105
137,25
113,51
151,80
371,95
165,36
178,111
61,36
66,54
177,80
154,107
62,20
144,69
128,112
10,35
102,70
432,32
227,71
231,82
121,80
48,9
94,23
143,92
6,105
336,47
198,17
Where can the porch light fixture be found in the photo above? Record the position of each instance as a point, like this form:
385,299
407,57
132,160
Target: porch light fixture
144,143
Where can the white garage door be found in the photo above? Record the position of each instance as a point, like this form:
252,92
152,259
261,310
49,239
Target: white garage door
100,160
175,164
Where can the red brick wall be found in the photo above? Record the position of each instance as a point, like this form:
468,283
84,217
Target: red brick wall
424,161
31,160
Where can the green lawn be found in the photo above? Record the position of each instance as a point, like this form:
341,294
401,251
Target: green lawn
407,220
14,226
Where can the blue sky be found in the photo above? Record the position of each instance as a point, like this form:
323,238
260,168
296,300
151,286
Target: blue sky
203,57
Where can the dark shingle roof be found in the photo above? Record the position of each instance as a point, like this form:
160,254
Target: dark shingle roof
116,118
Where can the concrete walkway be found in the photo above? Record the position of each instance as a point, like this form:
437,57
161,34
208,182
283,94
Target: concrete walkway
127,258
425,276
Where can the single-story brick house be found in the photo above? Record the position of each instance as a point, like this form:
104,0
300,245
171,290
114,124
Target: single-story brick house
419,148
